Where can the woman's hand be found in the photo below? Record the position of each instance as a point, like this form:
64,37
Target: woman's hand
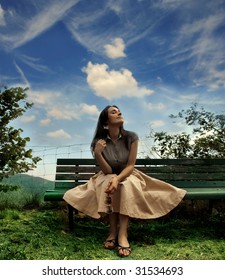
112,185
99,146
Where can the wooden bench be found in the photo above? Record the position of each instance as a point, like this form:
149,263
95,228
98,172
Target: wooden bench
204,179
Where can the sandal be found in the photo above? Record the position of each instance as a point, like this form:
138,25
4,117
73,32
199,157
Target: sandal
128,249
113,243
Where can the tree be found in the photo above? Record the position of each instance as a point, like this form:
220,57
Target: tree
206,141
14,156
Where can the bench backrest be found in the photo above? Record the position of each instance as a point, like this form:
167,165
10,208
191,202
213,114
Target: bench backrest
191,173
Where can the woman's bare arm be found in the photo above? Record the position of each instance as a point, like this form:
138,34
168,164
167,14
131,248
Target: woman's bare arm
130,164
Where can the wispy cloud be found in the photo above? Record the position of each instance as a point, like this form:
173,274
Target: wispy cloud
22,75
200,44
34,63
81,25
134,24
170,4
26,29
2,16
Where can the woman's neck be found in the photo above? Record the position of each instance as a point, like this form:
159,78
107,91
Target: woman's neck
114,133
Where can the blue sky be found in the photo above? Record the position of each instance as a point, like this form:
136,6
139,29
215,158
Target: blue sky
150,58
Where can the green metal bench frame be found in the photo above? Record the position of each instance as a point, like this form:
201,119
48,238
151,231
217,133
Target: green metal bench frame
204,179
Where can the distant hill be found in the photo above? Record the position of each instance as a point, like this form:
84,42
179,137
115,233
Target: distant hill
30,184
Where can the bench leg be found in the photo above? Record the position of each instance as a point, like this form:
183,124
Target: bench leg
70,216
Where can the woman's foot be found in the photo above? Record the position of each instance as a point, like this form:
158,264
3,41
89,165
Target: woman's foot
110,244
123,251
123,248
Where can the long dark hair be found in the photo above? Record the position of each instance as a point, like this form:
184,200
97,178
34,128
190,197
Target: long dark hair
101,132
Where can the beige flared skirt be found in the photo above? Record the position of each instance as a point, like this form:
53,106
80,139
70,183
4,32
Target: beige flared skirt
138,196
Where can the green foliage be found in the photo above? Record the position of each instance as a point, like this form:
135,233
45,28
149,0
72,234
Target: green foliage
6,187
14,156
207,139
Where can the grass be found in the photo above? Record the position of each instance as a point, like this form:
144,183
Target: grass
20,199
33,230
41,234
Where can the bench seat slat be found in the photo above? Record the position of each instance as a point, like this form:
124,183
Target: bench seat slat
181,184
207,193
67,184
77,169
182,169
146,169
161,176
192,193
76,161
198,184
54,195
147,161
188,176
64,176
181,161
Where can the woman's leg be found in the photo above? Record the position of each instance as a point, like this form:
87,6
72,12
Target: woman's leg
124,247
113,231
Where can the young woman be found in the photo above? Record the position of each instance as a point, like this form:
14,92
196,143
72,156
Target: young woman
119,188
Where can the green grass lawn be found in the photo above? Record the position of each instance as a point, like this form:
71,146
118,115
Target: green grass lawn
43,234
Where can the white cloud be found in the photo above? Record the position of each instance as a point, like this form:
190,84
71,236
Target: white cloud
157,123
59,134
155,107
72,111
116,49
57,107
113,84
88,109
63,112
2,17
28,119
44,97
45,122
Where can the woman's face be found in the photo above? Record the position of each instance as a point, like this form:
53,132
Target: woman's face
114,116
